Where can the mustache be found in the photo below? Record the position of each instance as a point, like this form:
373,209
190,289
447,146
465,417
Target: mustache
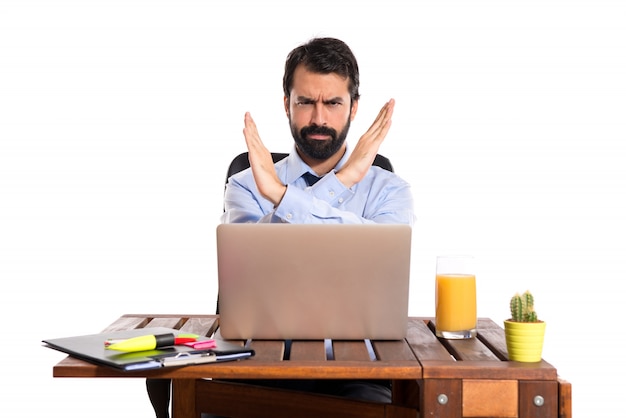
318,130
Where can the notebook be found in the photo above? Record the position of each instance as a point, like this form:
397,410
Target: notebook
91,348
297,281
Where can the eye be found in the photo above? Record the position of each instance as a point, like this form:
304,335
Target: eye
301,103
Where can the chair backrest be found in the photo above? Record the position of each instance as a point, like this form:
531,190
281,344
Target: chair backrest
241,162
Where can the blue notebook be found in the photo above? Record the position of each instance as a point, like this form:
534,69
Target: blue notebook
91,348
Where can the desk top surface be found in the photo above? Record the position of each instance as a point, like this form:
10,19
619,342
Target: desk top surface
420,355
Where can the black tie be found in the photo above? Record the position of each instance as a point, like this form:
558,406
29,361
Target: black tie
310,178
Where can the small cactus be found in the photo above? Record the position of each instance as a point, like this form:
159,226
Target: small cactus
522,308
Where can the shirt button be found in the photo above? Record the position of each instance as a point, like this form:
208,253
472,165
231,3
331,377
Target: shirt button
331,193
341,200
289,216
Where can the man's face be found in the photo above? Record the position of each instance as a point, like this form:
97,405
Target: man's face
319,112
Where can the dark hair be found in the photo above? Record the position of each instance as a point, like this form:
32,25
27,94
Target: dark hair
324,56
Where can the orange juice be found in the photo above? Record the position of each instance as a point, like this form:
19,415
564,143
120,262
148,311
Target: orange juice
455,302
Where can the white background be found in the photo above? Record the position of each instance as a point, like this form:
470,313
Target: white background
118,120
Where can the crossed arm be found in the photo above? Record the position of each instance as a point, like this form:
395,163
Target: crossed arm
352,172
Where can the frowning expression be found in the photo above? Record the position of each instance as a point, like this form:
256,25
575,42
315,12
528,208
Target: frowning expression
320,110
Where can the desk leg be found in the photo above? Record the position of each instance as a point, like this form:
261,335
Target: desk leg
442,398
538,399
405,393
565,399
184,398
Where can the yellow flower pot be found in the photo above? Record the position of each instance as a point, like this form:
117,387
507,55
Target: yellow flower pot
524,340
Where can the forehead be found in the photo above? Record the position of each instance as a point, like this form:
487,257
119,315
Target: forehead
316,85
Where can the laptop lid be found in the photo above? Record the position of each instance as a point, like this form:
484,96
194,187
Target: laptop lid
297,281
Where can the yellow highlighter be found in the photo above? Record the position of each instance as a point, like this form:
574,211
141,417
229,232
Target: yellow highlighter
143,343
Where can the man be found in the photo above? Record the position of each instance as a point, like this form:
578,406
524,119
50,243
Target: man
320,181
321,87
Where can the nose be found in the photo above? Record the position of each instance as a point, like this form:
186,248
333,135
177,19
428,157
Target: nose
318,115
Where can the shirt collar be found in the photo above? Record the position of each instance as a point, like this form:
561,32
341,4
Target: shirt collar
296,167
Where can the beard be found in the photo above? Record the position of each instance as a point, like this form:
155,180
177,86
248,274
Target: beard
319,149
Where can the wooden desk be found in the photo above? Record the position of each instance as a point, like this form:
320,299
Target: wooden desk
438,378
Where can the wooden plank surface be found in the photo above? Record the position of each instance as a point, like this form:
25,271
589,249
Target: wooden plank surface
424,343
350,351
307,351
393,351
488,370
465,370
421,354
267,351
349,359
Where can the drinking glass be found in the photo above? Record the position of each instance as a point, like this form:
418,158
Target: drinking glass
455,297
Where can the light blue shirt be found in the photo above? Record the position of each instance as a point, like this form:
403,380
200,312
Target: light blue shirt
380,197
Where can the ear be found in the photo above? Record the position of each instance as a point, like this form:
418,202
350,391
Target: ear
355,106
286,103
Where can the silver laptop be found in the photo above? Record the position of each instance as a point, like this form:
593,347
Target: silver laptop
286,281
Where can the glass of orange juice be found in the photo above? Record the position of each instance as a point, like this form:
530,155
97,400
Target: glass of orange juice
455,297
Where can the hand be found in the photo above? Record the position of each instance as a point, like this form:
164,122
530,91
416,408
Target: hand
262,165
366,149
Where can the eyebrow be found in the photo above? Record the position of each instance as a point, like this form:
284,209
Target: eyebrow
309,99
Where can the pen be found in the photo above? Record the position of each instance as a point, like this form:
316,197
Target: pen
148,342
